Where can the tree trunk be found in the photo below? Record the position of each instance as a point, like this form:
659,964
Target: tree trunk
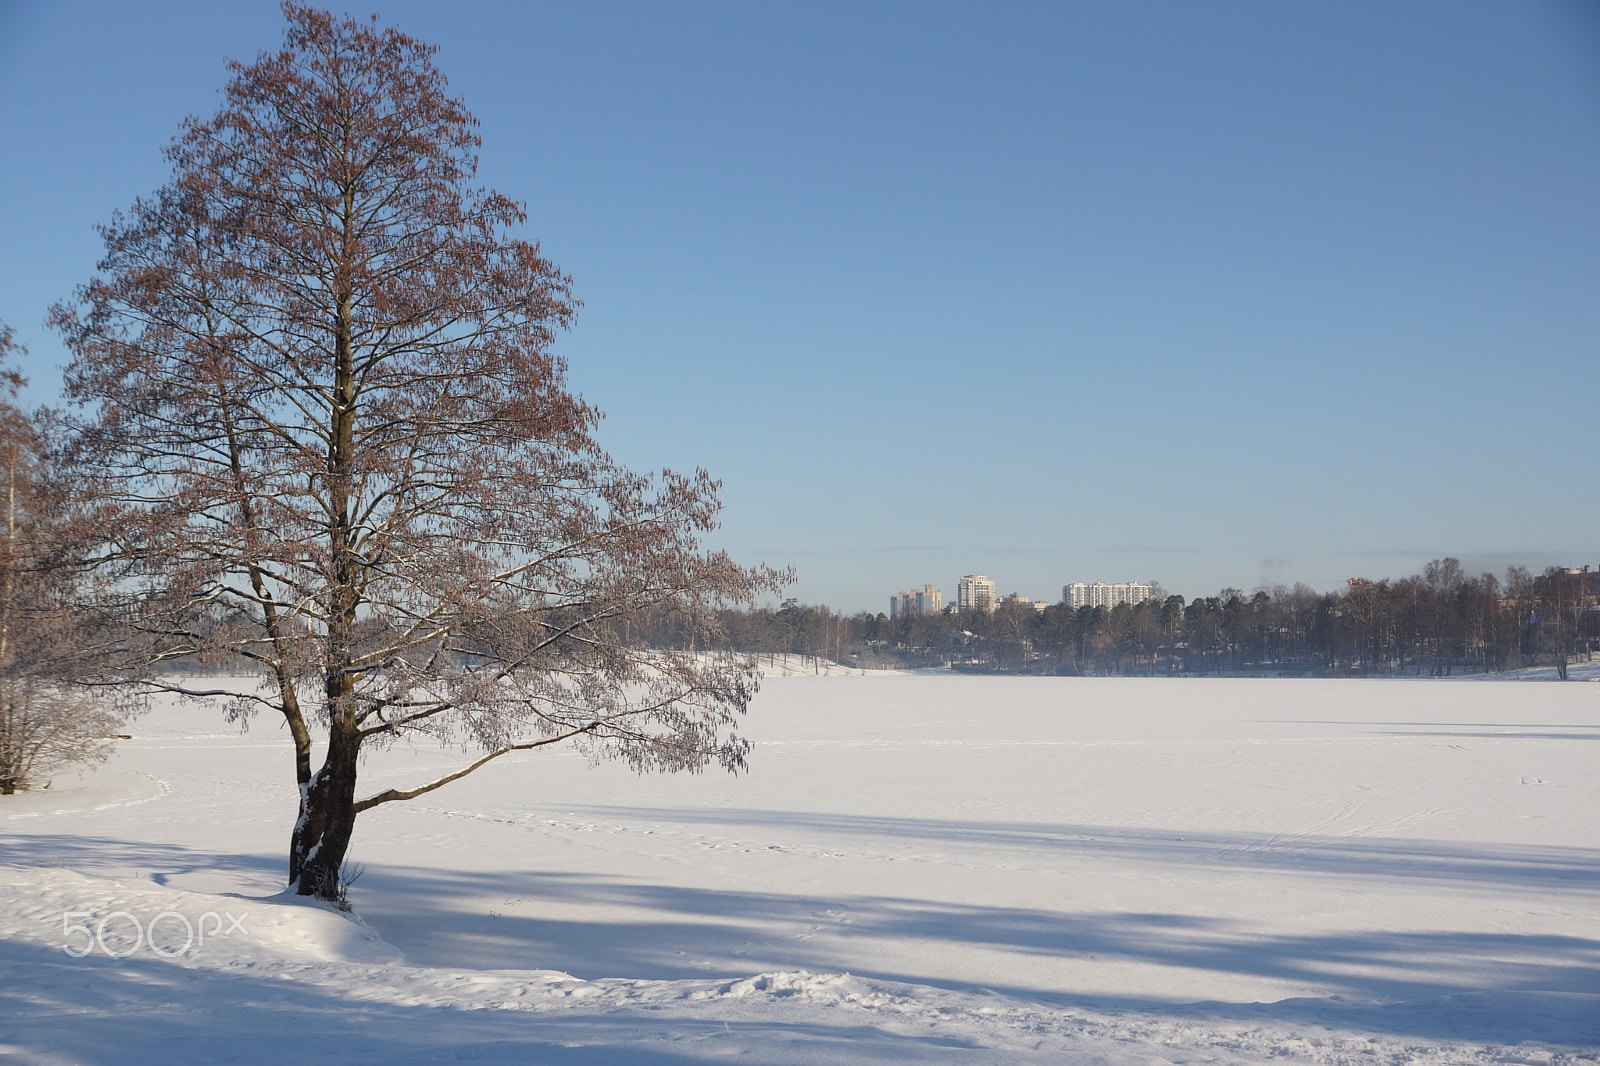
327,818
327,805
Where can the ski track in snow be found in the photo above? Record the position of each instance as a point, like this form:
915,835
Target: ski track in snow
163,789
1256,872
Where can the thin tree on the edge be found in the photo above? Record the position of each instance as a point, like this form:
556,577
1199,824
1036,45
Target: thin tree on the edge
320,384
47,721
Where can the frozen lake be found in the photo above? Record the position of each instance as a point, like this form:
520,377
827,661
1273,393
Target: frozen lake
1120,863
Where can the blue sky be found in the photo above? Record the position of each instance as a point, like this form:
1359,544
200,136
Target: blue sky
1210,294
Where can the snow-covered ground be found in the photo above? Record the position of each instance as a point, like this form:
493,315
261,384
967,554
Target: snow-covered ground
918,869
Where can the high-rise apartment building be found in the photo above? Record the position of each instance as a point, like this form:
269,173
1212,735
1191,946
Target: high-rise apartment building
975,593
1101,594
929,601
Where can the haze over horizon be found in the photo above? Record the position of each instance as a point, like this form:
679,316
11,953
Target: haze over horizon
1222,295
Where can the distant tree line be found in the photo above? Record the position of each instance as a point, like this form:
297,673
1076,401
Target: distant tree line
1440,622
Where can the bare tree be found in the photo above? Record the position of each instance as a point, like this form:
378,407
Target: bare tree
46,721
46,725
1521,594
319,382
1562,599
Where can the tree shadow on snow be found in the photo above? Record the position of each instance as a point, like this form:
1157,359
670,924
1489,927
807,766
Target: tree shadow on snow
1532,867
669,932
137,1010
160,863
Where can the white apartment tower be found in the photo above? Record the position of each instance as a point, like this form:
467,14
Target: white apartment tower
1101,594
929,601
976,593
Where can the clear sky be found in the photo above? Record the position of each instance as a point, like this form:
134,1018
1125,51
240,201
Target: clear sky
1206,293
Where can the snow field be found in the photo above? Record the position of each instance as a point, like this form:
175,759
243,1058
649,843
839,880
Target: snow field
918,868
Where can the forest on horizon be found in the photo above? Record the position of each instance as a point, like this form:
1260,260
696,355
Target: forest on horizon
1441,622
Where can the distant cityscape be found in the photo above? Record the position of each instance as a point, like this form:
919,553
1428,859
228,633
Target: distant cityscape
976,593
1440,622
